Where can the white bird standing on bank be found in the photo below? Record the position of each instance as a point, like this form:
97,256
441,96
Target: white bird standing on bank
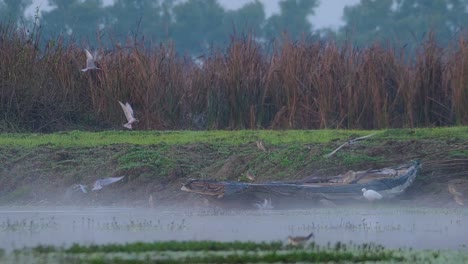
128,111
98,184
371,195
90,65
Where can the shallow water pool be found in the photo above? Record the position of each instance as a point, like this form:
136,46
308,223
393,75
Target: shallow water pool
419,228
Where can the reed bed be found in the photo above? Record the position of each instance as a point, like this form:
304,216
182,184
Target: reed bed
304,84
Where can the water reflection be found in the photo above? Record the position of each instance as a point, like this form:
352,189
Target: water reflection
392,227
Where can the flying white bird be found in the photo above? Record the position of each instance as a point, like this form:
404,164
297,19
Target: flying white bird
128,111
81,187
265,205
98,184
371,195
90,59
299,240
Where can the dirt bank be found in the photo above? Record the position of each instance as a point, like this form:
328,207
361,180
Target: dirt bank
44,175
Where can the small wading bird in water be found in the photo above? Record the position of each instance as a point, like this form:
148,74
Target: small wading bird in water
128,111
371,195
299,240
90,59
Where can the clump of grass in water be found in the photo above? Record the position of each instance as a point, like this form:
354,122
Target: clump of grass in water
239,252
175,246
29,225
141,225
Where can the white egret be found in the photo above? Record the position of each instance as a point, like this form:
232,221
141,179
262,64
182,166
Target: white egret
128,111
371,195
90,59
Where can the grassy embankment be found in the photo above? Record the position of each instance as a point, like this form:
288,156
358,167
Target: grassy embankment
32,165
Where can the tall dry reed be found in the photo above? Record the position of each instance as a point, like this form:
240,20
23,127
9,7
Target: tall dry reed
303,84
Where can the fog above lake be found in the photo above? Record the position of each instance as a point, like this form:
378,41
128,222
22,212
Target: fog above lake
419,228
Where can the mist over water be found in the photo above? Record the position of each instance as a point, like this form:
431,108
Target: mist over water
419,228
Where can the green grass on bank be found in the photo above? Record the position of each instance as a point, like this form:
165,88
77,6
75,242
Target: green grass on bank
230,252
274,137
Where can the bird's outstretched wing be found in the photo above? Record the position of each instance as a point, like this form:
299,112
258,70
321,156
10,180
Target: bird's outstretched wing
110,180
96,56
80,187
129,108
89,59
98,184
88,55
128,113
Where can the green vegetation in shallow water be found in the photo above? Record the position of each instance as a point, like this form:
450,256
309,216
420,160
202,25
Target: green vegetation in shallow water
174,246
233,252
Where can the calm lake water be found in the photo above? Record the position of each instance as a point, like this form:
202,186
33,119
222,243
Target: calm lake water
419,228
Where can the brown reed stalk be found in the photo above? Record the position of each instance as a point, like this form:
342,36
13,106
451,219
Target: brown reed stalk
457,81
430,98
304,84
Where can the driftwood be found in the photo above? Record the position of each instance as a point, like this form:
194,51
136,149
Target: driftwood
390,182
350,142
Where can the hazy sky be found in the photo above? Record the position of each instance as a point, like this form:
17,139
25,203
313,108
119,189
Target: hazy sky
328,14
